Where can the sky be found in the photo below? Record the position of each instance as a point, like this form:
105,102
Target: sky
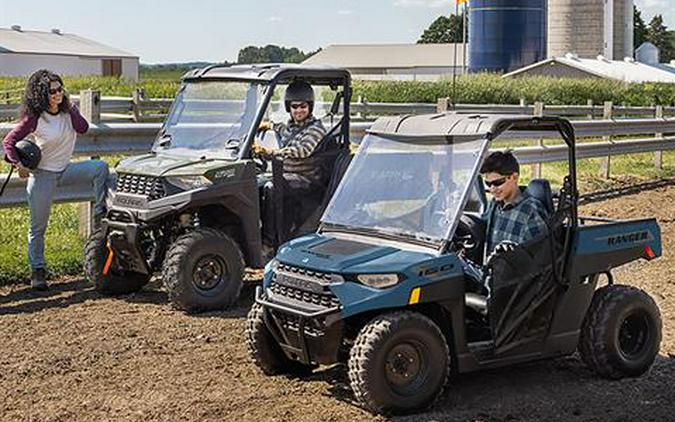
215,30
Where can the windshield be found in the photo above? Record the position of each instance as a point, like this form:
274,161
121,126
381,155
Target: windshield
211,117
404,189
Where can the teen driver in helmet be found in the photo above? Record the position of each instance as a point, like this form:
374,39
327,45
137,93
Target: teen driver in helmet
300,137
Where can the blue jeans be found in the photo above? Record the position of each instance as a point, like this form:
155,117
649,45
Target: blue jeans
41,188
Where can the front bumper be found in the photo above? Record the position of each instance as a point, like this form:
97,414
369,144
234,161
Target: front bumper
123,240
308,334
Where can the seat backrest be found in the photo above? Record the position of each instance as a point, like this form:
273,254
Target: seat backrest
541,190
342,161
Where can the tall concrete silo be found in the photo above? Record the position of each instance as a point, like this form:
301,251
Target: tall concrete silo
590,28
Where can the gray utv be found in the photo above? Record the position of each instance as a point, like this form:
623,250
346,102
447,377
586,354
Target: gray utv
196,206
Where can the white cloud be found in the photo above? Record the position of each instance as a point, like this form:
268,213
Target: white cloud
274,19
345,12
432,4
651,8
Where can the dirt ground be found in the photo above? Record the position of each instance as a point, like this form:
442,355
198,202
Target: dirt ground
72,355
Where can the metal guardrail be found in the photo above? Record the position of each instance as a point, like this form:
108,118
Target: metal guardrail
129,107
129,138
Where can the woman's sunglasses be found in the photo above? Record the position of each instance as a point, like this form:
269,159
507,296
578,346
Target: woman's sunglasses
54,91
496,182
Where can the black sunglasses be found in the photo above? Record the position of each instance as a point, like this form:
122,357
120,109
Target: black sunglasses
53,91
299,105
496,182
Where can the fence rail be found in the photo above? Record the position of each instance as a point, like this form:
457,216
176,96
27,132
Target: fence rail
138,108
129,138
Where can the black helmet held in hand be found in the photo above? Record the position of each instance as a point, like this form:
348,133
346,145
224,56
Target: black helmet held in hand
29,153
299,91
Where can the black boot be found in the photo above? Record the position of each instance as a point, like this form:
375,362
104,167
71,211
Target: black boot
38,279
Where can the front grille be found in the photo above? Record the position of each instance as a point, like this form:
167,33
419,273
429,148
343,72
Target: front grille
327,300
319,276
309,287
139,184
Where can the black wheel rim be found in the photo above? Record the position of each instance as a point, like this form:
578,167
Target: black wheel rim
634,335
209,272
407,367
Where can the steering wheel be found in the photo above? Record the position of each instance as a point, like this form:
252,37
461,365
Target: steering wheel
470,236
261,162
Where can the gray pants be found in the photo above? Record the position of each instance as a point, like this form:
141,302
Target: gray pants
41,188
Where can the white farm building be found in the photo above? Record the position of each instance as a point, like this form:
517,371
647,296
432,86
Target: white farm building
421,62
22,52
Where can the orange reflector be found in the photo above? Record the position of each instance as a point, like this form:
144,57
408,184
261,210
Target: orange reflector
649,252
108,261
414,296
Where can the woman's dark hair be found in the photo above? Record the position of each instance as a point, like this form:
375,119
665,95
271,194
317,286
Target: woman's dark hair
503,163
36,96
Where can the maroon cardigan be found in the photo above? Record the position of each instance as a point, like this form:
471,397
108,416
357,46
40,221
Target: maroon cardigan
27,125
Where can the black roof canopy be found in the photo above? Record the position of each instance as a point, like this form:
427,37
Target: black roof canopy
455,127
279,73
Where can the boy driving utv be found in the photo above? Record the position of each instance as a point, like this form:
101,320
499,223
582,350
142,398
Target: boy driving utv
387,294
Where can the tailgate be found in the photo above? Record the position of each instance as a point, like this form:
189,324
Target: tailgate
600,247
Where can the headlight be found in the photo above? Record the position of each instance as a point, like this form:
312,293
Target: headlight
272,265
189,182
379,281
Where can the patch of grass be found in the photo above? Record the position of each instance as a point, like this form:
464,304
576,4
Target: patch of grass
63,250
63,244
471,89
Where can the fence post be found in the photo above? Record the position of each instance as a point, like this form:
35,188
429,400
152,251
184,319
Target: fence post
605,164
591,113
137,97
658,155
442,105
90,107
538,112
523,106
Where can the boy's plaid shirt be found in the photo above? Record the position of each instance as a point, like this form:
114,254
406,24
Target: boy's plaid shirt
518,222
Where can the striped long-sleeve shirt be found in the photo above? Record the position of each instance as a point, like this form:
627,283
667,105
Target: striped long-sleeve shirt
299,140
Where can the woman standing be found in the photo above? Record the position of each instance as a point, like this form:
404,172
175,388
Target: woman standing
54,123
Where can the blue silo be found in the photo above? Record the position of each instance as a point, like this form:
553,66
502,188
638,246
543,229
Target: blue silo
505,35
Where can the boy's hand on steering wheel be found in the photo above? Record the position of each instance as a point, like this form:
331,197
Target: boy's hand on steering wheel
266,125
260,150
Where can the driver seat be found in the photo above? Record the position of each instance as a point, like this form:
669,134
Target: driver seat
541,190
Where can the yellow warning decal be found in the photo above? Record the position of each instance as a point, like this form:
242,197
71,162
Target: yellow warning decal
414,296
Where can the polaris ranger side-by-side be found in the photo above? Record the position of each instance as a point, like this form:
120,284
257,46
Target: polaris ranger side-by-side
388,284
196,206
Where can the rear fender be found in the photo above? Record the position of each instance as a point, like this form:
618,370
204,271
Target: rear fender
600,247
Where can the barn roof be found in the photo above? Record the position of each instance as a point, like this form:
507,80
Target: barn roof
55,42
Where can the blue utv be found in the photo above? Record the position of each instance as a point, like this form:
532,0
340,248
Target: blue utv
389,283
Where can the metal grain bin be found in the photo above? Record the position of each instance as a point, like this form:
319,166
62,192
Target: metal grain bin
505,35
